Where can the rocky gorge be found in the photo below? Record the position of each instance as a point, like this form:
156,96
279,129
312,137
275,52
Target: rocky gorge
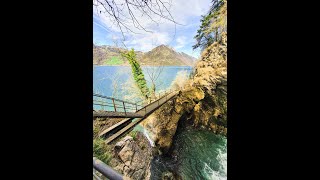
200,104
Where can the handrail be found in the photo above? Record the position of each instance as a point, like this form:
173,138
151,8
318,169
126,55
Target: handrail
111,105
118,105
106,170
164,95
106,102
98,95
129,105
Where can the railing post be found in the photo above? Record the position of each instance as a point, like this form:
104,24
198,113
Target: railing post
124,107
114,105
136,107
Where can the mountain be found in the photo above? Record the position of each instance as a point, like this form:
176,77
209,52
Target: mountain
161,55
166,56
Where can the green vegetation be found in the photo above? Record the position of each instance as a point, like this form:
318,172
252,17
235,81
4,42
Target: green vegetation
137,72
133,134
115,60
101,150
212,25
96,130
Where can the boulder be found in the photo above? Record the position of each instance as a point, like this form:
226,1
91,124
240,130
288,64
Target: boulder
134,161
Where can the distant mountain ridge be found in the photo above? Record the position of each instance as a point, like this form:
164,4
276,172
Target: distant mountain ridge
160,55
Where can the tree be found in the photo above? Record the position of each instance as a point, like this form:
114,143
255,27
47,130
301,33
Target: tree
212,25
154,73
124,13
137,72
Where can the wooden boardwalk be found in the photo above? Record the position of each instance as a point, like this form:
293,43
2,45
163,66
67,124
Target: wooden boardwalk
144,112
115,126
123,130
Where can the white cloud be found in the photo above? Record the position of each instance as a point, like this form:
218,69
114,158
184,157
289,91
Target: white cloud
183,11
181,41
148,41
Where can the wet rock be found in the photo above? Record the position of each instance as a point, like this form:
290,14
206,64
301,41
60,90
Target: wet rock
127,138
134,161
167,176
126,154
119,144
119,168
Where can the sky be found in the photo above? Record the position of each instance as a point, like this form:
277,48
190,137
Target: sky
185,12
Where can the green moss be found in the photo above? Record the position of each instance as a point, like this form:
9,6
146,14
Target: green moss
133,134
96,130
101,150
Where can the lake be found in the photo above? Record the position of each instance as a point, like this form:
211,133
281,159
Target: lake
117,81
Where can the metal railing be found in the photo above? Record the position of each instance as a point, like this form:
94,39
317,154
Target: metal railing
105,170
117,105
165,94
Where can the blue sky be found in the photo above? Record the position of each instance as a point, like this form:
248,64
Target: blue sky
186,12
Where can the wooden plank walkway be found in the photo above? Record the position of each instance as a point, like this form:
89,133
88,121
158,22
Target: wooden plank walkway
155,105
123,130
149,109
115,126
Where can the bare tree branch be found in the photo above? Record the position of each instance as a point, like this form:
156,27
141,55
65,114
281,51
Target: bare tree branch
124,12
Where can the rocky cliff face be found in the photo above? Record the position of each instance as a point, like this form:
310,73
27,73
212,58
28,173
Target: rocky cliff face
202,103
211,79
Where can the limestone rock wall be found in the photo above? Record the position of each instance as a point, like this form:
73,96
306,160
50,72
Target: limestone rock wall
202,102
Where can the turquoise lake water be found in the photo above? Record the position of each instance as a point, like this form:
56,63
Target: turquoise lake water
117,81
103,76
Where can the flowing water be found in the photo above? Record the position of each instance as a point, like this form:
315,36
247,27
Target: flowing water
145,132
195,154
